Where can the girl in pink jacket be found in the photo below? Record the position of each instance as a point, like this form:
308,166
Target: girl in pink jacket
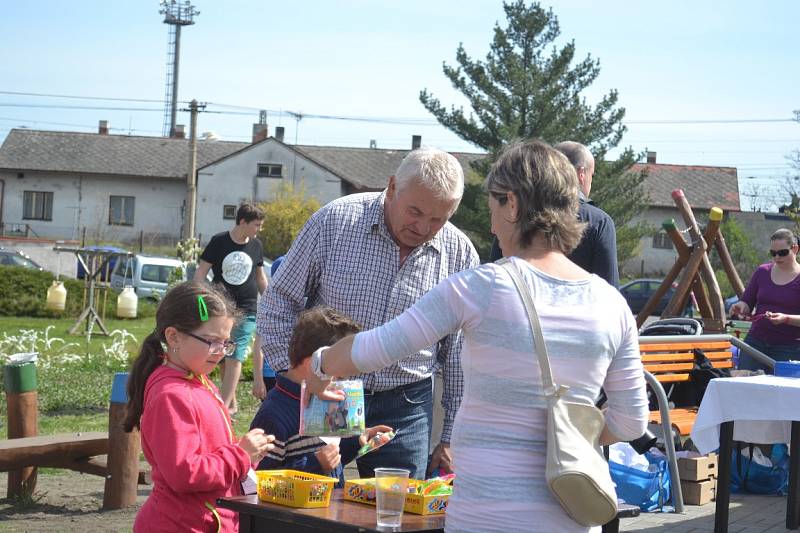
187,436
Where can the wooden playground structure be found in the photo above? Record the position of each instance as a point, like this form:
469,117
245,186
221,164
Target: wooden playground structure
693,267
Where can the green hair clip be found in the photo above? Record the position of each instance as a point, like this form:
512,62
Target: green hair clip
202,309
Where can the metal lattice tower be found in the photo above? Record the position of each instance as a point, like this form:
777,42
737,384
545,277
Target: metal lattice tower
176,15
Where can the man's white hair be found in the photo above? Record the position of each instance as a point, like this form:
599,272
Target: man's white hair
435,170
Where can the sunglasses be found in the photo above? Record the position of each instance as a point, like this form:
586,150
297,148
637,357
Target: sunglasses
215,347
779,253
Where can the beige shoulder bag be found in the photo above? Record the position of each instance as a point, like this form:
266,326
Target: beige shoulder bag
576,473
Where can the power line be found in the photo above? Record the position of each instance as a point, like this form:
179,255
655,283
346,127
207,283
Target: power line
76,97
376,119
70,124
99,108
711,121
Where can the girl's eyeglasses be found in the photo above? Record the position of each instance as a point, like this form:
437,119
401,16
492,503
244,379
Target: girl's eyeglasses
779,253
215,347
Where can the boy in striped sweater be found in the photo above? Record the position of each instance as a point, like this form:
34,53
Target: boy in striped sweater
279,414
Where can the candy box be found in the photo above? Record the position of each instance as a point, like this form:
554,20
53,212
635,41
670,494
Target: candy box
345,418
363,491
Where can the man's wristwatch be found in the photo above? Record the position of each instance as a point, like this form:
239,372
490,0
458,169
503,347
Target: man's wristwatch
316,364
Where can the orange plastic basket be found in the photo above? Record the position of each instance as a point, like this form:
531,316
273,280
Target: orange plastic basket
294,488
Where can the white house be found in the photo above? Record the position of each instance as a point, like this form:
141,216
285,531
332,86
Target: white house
258,170
53,184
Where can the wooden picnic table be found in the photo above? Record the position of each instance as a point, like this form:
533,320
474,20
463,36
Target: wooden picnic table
340,517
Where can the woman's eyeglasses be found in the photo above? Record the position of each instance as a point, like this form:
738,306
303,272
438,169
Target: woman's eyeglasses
779,253
215,347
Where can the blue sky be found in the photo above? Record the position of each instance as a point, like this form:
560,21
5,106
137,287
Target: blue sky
670,61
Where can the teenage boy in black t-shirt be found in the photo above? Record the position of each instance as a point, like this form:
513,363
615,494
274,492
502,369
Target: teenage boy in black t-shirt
236,259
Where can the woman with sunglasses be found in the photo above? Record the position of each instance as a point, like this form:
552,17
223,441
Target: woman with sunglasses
772,302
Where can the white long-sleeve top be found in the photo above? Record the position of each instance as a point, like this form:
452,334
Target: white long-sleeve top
499,436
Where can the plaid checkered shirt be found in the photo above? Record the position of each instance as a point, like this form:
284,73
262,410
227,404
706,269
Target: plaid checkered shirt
345,258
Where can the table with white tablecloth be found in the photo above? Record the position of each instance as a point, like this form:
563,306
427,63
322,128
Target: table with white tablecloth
758,409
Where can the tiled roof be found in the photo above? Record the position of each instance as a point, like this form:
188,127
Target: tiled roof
90,153
367,168
705,187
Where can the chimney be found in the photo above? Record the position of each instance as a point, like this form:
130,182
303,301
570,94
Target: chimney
651,158
102,128
373,143
416,141
279,131
180,132
259,132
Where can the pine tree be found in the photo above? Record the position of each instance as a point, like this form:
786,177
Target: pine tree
527,87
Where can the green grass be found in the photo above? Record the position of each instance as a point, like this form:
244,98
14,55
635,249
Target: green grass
74,391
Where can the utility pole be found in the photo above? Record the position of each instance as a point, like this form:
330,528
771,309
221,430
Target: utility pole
191,177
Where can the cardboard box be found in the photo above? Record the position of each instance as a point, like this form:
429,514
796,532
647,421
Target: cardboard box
697,468
699,492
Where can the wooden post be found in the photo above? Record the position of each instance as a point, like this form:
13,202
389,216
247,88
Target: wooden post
680,262
22,401
703,266
123,451
697,285
727,264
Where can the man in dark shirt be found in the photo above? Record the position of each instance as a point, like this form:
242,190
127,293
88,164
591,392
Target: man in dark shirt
597,251
236,258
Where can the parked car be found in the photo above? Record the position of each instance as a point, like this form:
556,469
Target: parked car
638,292
111,263
16,258
148,275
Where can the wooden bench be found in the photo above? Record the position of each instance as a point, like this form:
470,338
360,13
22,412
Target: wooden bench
72,451
671,362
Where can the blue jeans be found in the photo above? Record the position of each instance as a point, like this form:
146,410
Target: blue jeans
779,352
409,411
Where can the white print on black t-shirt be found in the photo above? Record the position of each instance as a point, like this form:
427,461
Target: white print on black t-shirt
236,268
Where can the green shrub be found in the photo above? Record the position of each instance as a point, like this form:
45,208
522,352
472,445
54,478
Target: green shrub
23,292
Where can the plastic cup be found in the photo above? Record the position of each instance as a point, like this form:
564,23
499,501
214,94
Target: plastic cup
391,487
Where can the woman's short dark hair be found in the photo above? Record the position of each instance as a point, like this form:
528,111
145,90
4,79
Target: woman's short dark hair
784,234
546,187
315,328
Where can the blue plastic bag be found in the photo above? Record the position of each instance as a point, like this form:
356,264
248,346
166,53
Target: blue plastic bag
749,476
648,490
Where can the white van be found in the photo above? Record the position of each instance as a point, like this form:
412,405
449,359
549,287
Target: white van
149,275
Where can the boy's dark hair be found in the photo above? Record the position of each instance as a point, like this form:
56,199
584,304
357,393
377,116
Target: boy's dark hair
320,326
178,309
248,212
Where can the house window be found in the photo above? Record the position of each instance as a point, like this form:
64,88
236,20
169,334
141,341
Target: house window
37,205
270,170
228,212
661,240
120,210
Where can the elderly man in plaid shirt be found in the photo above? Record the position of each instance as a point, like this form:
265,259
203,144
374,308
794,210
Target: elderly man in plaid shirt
371,256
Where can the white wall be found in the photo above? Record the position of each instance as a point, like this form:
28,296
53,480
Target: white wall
233,180
657,261
83,201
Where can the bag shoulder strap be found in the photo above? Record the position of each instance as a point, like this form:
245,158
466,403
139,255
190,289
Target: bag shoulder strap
536,327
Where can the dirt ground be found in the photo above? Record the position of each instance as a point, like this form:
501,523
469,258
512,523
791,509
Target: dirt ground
67,501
